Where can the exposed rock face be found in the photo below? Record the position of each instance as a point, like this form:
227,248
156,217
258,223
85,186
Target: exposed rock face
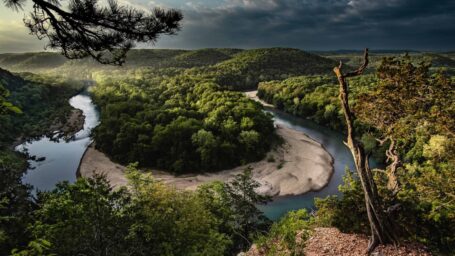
331,242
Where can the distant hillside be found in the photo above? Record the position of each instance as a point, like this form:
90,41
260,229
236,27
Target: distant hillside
231,68
437,60
359,52
31,61
204,57
247,68
10,81
49,62
42,100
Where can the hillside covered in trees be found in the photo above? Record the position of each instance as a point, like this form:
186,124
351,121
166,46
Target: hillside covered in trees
188,117
29,105
405,113
186,109
186,123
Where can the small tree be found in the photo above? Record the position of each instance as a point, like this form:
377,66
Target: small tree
87,29
243,199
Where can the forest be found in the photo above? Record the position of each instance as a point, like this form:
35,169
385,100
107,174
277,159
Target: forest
188,117
187,110
186,123
411,107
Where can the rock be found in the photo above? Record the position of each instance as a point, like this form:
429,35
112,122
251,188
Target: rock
330,241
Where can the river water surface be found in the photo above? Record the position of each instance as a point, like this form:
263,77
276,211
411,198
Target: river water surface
62,158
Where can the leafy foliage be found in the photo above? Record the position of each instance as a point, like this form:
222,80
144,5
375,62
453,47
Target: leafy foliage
38,101
15,206
235,205
86,217
247,68
313,97
149,218
415,107
170,222
406,97
181,123
250,221
288,235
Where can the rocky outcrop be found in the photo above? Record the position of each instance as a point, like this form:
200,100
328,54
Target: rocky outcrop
74,123
332,242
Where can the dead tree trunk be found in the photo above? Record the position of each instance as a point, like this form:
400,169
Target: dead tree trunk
395,163
381,229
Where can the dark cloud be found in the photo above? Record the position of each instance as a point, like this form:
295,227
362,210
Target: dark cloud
306,24
320,24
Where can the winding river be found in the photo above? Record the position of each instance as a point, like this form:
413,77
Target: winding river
62,158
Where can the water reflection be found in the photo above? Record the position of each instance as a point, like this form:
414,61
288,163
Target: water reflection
61,157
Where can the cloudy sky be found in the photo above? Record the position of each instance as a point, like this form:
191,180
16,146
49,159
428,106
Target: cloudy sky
305,24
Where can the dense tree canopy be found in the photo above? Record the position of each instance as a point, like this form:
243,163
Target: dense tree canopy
182,117
182,123
412,104
31,103
149,218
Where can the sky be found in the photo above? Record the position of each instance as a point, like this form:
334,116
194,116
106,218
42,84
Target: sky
304,24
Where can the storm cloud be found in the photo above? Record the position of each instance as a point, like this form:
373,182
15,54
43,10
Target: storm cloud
319,24
304,24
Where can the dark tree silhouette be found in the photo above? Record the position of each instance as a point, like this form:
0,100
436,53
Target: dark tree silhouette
87,29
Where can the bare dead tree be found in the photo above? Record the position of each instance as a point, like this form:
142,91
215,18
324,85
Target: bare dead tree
381,227
87,29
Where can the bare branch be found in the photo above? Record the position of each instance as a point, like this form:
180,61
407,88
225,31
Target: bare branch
362,68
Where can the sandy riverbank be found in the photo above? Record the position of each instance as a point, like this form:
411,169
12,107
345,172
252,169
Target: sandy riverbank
253,95
300,165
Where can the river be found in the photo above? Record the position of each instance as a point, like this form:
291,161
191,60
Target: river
62,158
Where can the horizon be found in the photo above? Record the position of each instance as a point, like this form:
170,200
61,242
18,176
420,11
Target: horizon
339,51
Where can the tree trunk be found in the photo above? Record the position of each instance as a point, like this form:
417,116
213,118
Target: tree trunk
392,156
381,228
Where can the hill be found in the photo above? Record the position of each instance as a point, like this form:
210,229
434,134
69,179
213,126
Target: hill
51,62
232,68
204,57
247,68
437,60
31,61
42,101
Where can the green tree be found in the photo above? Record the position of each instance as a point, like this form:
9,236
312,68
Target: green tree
6,106
88,217
406,98
249,221
15,202
170,222
288,235
379,220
